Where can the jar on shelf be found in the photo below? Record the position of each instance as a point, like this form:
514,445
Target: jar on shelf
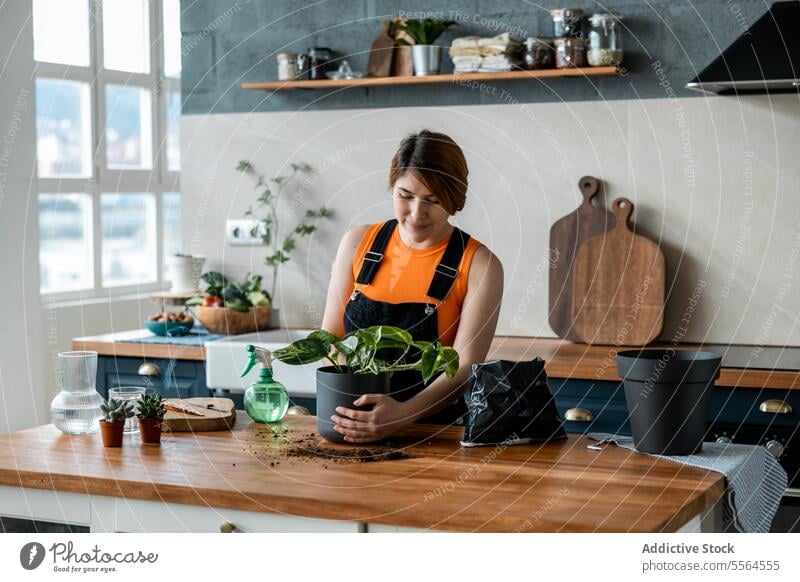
570,52
567,22
539,53
605,41
287,66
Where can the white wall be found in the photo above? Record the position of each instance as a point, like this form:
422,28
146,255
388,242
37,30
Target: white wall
714,180
21,354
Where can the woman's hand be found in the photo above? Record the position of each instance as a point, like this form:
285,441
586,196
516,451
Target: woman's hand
361,426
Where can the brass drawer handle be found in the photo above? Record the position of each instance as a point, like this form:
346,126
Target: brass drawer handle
775,407
579,415
227,527
149,369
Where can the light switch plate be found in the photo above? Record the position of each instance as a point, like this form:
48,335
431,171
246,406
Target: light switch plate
243,232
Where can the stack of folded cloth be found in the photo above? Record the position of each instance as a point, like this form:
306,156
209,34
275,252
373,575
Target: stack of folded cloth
466,54
498,53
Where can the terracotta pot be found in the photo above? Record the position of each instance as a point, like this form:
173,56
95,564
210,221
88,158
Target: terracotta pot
227,321
150,430
112,432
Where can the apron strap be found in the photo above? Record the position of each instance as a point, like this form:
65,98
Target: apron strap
373,257
447,270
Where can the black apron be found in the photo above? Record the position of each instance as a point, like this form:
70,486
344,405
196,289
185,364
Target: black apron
419,319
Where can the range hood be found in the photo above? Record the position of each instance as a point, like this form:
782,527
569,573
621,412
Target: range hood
765,59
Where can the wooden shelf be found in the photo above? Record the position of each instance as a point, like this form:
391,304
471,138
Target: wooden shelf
431,79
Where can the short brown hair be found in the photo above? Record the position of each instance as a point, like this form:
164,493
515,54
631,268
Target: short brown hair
439,164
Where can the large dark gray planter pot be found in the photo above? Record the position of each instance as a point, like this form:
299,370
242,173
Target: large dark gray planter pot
667,392
336,389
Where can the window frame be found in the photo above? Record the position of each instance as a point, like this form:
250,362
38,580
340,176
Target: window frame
156,181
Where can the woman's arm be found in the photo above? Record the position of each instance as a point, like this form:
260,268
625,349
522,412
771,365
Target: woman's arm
342,281
476,328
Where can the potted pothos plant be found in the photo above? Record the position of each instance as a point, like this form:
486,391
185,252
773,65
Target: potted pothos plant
427,56
279,238
151,416
362,363
112,424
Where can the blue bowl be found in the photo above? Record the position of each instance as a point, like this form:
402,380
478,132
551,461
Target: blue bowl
169,328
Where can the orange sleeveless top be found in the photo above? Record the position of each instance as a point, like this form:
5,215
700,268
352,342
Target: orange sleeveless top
406,273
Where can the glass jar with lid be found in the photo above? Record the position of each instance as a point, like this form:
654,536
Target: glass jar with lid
605,41
539,53
567,22
287,66
570,52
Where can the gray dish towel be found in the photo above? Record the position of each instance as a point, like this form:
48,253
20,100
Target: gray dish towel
756,481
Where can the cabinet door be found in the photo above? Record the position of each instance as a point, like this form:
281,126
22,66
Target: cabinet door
170,378
603,403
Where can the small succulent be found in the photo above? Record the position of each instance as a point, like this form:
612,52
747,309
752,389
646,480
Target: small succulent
116,410
151,406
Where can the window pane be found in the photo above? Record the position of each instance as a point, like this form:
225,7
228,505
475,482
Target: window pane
63,127
173,103
128,128
171,213
126,36
129,239
61,31
65,242
172,38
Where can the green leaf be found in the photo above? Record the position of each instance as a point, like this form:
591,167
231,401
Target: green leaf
427,362
448,359
289,245
196,300
301,352
325,337
348,345
258,298
237,305
244,166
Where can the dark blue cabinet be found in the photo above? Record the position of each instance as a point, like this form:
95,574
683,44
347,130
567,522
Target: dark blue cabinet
170,378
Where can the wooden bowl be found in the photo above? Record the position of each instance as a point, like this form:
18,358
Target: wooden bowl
226,321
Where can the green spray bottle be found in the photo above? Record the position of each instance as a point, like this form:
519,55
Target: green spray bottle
265,400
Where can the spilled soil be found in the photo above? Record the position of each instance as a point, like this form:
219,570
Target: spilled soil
282,443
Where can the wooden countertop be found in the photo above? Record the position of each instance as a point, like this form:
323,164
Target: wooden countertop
564,359
561,486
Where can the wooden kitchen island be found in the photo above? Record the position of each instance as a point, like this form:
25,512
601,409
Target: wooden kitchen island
247,480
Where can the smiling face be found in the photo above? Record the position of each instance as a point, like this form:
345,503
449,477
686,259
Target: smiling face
421,218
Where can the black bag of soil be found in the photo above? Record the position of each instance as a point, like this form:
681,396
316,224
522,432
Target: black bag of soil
511,403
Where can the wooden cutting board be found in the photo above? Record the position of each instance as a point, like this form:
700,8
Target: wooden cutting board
213,419
618,285
566,237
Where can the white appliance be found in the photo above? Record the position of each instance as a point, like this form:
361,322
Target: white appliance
226,358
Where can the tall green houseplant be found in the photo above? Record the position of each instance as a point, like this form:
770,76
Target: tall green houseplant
279,239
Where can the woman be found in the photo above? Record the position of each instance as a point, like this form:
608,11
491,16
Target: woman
418,272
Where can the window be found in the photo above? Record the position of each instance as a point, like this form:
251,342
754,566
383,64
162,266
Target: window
107,118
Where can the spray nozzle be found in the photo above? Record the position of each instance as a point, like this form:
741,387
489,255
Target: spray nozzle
257,354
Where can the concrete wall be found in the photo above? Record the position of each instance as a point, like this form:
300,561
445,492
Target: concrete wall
21,343
226,42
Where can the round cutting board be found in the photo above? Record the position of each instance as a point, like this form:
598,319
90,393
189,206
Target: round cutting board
213,419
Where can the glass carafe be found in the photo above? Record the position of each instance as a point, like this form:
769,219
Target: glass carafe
76,408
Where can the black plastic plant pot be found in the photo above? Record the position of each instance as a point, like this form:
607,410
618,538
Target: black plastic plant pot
337,389
667,392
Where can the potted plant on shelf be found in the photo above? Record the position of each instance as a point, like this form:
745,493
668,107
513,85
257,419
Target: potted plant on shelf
279,240
230,307
362,363
112,424
151,416
427,56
